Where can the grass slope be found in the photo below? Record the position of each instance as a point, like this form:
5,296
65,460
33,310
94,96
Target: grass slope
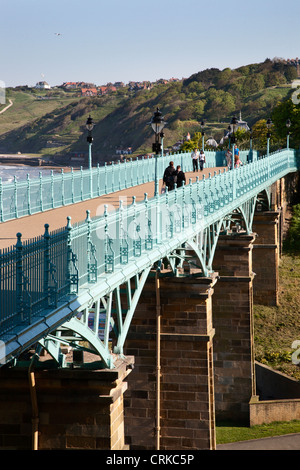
276,328
53,121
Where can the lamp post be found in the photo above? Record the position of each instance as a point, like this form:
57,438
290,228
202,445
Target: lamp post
229,131
90,126
157,123
288,125
202,133
250,146
234,123
269,125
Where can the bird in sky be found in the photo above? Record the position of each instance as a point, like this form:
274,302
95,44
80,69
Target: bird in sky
57,34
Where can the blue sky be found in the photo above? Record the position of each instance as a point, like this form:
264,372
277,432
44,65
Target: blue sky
122,40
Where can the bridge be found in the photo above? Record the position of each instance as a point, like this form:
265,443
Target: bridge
79,289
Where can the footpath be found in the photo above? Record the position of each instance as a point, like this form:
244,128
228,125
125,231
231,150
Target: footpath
286,442
31,226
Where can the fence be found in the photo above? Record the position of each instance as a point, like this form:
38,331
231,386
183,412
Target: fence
33,275
30,196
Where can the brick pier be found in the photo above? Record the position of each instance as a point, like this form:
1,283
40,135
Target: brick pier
266,252
186,398
233,322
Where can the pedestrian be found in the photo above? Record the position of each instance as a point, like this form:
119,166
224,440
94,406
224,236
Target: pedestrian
228,159
195,157
180,176
170,177
236,151
202,159
237,161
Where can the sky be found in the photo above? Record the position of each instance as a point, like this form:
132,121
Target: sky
105,41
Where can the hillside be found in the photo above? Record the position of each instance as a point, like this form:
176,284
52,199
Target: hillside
52,122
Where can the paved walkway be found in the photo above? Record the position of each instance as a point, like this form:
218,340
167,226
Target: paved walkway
33,225
287,442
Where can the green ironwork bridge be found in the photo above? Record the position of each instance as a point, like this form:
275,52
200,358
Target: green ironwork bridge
81,284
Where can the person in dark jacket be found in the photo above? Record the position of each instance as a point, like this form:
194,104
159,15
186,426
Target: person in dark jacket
180,176
170,177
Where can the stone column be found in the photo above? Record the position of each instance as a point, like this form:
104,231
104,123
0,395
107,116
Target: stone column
186,399
266,257
233,323
77,409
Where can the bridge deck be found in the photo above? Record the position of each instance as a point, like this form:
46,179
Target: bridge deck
33,225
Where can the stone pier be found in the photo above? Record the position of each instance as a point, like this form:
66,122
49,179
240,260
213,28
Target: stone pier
177,411
266,253
233,323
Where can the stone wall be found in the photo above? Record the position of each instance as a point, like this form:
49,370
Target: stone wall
269,411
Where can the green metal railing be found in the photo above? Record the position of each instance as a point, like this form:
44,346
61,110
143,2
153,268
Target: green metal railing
30,196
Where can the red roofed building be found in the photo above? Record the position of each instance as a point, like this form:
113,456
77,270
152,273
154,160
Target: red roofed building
89,91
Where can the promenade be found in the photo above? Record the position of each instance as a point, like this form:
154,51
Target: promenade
33,225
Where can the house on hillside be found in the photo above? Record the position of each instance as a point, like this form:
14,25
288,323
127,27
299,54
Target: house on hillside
42,86
243,125
119,84
75,85
102,90
89,92
69,85
240,125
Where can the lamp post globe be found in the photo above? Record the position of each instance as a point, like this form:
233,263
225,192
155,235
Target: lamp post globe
89,124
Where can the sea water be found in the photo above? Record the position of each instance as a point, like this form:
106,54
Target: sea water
8,172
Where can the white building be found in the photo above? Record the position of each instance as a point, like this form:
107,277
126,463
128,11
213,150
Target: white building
43,86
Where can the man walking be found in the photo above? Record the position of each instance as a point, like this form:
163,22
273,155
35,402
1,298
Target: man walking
180,176
170,177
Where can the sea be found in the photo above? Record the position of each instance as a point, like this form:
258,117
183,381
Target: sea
8,172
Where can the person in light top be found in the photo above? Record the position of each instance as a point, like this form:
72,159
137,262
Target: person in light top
195,157
202,159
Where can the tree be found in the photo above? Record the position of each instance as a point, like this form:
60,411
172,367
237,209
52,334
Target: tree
259,134
253,83
219,104
280,114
